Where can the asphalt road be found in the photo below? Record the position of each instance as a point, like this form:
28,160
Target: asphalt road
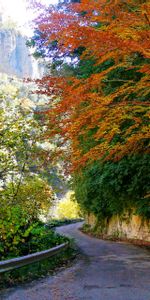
105,271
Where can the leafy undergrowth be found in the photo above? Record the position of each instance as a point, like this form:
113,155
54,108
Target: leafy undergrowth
36,237
41,239
87,229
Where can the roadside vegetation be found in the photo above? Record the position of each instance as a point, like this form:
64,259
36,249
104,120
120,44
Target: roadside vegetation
34,239
99,74
28,181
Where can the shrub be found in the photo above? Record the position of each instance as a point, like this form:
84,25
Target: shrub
110,188
19,236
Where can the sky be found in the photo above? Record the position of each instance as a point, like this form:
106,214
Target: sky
16,9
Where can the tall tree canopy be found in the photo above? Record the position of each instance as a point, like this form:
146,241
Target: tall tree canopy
110,101
99,82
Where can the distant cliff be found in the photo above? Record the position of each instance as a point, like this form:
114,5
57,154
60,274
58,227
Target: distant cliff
15,58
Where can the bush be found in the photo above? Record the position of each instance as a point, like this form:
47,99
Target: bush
19,236
15,227
112,187
37,238
60,222
19,214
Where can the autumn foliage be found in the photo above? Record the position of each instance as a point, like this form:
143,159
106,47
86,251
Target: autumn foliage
109,106
98,84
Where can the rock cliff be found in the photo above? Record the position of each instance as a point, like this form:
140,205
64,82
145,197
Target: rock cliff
15,57
125,226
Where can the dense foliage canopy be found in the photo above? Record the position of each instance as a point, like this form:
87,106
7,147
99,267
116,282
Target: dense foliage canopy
99,87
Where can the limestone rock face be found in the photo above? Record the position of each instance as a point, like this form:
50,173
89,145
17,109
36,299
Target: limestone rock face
15,58
127,225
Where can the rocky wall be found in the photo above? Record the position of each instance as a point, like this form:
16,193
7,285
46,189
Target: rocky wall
128,225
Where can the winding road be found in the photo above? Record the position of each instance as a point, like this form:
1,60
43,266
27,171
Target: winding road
104,271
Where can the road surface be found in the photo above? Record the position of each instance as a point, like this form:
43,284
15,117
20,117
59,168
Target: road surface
105,271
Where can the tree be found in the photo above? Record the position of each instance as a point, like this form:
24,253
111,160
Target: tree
24,191
102,109
68,208
119,113
21,154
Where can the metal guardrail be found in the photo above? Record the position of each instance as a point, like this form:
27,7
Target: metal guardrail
14,263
